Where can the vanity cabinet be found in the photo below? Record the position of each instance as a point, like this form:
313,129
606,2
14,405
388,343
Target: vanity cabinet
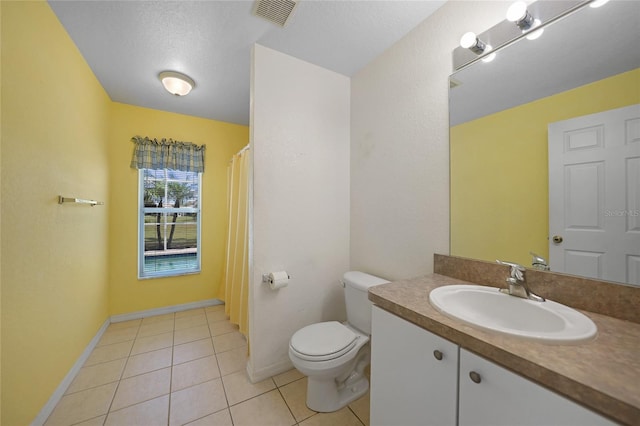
412,384
409,384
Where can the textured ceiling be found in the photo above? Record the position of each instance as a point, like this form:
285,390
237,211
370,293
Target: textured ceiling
127,43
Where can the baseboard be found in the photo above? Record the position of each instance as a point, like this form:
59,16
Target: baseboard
64,385
270,371
165,310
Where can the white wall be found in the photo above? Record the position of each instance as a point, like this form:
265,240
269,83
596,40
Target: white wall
400,144
300,140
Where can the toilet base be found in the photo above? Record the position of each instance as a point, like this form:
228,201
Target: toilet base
322,395
327,395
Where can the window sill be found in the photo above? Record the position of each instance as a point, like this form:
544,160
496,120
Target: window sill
172,275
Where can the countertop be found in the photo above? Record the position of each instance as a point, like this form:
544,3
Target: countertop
602,374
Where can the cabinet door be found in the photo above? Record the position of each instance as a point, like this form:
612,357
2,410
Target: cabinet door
505,398
409,385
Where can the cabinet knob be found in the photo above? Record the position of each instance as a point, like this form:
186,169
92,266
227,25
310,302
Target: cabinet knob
557,239
438,355
475,377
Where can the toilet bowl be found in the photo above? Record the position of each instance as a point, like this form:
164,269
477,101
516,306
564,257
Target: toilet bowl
334,355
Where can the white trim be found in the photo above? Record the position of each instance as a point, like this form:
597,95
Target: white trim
270,371
57,395
62,387
165,310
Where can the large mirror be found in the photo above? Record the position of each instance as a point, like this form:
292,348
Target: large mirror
514,119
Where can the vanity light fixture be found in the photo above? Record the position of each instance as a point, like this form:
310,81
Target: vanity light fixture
520,15
176,83
597,3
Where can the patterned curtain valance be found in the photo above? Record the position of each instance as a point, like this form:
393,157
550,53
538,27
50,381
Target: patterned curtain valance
167,154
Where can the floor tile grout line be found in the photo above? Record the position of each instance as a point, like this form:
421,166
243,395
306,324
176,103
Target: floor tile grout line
355,414
215,354
136,403
207,415
287,404
141,353
173,345
124,367
82,421
214,351
194,385
253,397
91,388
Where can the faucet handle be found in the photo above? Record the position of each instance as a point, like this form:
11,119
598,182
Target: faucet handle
516,269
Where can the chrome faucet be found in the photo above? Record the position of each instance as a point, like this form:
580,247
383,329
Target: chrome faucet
538,262
517,284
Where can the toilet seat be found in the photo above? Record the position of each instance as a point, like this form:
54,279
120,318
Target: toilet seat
323,341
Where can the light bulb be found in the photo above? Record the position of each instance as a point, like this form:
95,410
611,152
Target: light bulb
473,43
517,11
468,39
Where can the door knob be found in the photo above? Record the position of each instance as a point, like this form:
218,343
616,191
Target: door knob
557,239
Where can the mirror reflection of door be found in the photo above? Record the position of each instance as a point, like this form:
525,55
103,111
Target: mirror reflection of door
594,195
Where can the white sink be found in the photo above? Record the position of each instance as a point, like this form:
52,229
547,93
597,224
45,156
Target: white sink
488,308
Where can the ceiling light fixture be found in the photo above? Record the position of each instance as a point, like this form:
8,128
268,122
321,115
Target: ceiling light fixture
520,15
176,83
597,3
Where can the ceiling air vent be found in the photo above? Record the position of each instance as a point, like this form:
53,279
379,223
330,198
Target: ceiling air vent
276,11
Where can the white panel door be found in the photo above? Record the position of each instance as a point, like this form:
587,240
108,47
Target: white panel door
594,195
411,383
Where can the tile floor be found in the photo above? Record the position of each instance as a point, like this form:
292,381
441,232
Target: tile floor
186,368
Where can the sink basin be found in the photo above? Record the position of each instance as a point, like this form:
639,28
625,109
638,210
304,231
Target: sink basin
489,309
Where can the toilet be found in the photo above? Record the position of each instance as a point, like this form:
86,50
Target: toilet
334,355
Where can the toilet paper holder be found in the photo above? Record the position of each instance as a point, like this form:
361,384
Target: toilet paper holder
267,280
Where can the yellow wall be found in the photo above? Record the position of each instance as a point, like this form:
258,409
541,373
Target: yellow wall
54,257
0,218
127,293
499,183
67,268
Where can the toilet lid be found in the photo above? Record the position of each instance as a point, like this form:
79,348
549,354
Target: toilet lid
324,340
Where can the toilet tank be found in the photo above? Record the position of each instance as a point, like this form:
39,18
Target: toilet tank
356,286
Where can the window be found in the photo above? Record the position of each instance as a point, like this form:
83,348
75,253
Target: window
169,223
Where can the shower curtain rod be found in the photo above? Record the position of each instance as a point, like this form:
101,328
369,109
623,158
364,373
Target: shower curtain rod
243,150
239,152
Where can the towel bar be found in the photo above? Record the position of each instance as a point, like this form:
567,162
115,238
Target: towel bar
62,200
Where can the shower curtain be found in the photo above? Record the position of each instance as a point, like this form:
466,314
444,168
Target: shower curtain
235,288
